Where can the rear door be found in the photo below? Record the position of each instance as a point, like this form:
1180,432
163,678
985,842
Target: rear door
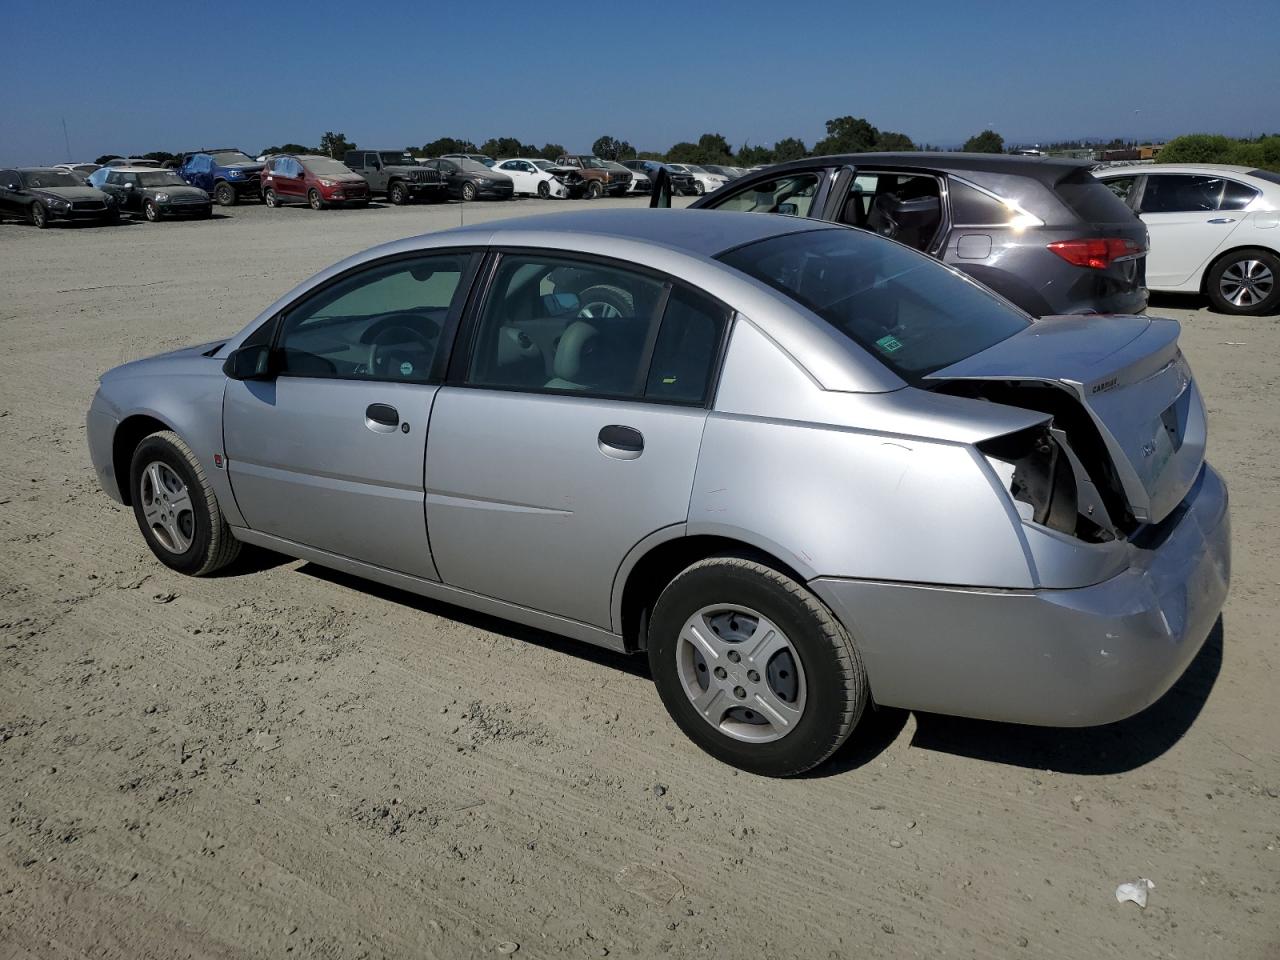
329,453
571,434
289,180
1183,213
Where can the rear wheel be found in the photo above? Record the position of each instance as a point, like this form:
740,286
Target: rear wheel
225,194
176,509
314,198
398,193
1245,282
39,215
754,668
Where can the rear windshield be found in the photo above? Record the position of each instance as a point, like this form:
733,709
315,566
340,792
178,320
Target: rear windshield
909,311
1091,199
1269,175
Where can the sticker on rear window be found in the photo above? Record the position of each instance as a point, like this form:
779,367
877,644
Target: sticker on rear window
889,344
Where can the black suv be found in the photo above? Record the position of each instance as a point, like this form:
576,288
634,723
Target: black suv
1042,232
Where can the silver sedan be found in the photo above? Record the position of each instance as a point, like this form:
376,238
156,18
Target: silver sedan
801,467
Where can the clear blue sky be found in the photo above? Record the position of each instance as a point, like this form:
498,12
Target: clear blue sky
171,75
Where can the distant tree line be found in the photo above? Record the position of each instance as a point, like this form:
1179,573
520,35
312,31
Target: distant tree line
1259,152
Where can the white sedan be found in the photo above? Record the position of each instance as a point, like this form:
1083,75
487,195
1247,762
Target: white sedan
1215,229
703,180
531,178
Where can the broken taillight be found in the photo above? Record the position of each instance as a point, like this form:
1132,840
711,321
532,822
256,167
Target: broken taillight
1097,253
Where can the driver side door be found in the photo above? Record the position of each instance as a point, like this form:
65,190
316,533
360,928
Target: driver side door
328,450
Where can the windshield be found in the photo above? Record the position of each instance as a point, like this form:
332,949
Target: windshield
50,178
678,167
694,168
471,166
324,167
543,164
161,178
225,158
907,310
592,163
396,160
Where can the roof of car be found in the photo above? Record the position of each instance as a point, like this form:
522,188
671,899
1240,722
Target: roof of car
123,169
701,232
1045,169
1138,169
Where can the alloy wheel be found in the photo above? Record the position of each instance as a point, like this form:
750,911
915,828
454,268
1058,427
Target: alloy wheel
741,673
1246,283
167,507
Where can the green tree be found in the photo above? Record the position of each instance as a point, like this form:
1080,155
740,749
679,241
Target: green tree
448,145
1198,148
503,147
889,140
649,155
288,148
988,141
606,148
790,148
713,148
105,157
749,156
335,144
552,151
683,152
847,135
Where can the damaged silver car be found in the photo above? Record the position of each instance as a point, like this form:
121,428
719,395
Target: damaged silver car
798,466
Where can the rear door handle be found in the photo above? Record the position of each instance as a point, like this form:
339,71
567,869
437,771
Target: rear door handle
621,442
1223,220
381,417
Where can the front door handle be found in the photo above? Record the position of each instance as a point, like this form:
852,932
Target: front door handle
1223,220
381,417
621,442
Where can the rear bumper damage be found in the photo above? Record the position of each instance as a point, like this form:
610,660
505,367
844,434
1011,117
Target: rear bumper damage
1076,657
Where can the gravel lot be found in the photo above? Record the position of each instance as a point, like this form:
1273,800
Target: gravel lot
286,761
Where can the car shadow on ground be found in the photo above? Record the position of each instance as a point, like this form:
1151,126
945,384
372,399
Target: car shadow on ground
634,665
1175,301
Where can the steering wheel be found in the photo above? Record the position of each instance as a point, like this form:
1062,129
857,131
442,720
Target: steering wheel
393,332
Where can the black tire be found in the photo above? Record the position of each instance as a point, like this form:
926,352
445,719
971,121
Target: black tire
607,295
225,194
151,211
270,199
544,190
39,215
594,190
212,545
698,188
836,690
1253,275
468,191
314,198
398,193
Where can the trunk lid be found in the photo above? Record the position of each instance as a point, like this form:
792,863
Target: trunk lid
1128,374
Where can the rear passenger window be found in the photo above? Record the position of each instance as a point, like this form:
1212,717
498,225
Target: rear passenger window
553,324
973,208
684,357
1236,196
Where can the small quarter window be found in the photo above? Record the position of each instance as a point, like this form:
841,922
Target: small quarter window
973,208
1236,196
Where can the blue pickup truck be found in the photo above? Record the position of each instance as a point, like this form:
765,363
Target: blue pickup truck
227,175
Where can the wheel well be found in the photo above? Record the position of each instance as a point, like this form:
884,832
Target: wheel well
660,566
1204,277
131,432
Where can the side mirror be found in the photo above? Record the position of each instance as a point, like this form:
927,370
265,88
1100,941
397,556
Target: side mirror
249,363
15,187
660,197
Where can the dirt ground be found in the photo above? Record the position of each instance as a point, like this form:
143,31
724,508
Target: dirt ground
289,762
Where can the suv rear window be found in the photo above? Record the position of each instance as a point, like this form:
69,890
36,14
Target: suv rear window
1090,199
907,310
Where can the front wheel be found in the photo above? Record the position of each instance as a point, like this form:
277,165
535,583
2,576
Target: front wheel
698,188
39,215
544,190
314,198
468,191
1245,283
398,194
754,668
151,211
270,199
225,194
176,509
594,190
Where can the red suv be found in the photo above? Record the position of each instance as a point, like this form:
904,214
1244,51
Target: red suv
318,181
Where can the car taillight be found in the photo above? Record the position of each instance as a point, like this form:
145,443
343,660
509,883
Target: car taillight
1097,253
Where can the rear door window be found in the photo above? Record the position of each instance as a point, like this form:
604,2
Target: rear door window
1181,193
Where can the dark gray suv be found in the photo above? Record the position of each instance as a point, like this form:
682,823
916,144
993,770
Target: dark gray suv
1042,232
